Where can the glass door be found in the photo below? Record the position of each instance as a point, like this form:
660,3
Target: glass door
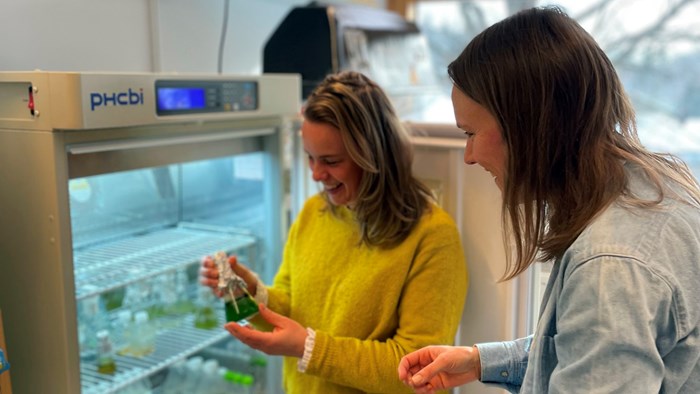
138,239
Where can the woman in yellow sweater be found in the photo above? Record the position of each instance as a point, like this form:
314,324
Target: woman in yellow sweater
372,268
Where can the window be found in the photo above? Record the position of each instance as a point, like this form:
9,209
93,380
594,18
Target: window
655,46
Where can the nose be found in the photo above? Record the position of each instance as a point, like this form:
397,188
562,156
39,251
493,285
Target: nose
317,171
469,154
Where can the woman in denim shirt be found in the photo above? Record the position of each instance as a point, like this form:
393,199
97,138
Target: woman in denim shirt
546,114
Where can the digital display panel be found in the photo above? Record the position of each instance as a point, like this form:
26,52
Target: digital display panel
186,97
178,99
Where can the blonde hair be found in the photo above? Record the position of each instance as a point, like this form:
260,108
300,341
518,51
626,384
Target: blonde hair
390,200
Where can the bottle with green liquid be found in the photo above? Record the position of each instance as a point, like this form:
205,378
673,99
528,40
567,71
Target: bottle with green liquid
205,315
105,354
244,307
237,307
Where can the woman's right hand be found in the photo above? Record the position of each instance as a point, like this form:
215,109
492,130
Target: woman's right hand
435,368
209,275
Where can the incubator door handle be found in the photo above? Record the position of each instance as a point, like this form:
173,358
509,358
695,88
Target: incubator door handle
119,145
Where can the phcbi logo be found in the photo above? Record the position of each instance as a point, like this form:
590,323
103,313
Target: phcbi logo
130,97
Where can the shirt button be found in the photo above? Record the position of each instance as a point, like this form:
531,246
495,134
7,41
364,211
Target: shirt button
504,374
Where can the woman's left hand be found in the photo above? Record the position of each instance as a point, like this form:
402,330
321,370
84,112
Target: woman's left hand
286,339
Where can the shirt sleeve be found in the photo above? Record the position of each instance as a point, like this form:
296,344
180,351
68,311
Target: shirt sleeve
503,364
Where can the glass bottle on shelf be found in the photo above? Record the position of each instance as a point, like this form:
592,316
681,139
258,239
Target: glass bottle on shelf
122,330
163,295
164,299
92,318
105,354
205,315
138,294
209,382
183,304
142,335
258,367
175,378
226,385
193,374
247,384
237,382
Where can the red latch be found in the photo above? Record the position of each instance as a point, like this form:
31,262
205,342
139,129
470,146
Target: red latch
31,101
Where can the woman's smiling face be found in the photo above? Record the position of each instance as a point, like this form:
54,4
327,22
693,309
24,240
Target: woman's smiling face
330,162
485,145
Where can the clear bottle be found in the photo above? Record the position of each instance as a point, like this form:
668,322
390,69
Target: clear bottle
163,297
105,354
175,379
241,382
92,318
142,335
209,381
225,386
258,367
138,294
247,384
192,375
184,304
238,382
205,315
231,378
122,330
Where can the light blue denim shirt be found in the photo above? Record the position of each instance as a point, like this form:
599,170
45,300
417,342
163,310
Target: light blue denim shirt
621,312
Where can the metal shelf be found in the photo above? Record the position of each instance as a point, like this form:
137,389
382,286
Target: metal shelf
108,266
171,346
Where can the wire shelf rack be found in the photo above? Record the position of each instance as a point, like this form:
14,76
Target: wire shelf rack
171,345
118,263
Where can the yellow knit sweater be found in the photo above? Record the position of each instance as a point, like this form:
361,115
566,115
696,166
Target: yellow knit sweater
368,306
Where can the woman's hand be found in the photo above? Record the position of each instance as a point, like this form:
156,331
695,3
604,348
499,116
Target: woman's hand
209,275
439,367
287,338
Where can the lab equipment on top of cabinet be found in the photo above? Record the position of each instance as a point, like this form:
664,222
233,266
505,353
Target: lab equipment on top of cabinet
320,38
114,185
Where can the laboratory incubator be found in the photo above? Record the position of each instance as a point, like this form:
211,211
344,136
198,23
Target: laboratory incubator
113,188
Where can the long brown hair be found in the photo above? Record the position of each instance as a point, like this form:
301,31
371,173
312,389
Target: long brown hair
568,126
390,200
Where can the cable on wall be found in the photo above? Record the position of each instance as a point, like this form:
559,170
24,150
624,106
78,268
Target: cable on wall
154,18
222,40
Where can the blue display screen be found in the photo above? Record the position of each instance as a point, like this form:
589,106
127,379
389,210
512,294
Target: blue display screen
171,99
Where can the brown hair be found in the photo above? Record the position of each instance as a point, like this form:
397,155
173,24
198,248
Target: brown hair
568,127
390,200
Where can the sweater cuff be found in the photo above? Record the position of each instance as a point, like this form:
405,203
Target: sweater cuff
303,362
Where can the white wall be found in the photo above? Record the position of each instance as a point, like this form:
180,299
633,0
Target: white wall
74,35
190,33
138,35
